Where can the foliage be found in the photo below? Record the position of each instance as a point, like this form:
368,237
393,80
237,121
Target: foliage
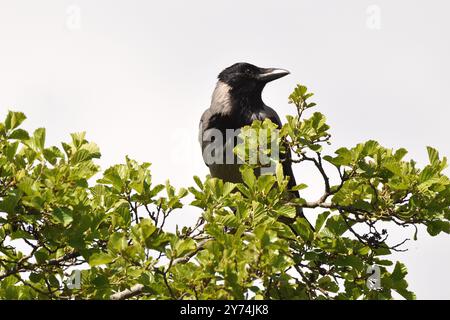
53,221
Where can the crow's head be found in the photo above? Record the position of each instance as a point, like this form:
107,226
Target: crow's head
247,78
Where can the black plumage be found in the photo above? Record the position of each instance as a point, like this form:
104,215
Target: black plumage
237,102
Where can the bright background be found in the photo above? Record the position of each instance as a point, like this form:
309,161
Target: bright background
136,75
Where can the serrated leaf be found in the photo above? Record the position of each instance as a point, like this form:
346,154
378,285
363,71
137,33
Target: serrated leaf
393,166
399,272
39,138
287,211
78,138
433,155
14,119
52,154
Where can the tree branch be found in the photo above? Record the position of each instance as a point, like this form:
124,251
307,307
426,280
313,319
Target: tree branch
138,288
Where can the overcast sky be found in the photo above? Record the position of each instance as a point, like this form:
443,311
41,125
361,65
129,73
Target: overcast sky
137,75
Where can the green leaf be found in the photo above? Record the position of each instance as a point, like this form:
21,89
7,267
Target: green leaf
321,218
182,247
11,150
302,227
147,228
78,138
383,262
287,211
117,242
400,154
344,157
86,152
14,119
399,283
100,258
19,134
54,282
35,277
52,154
8,203
279,173
437,226
399,272
41,256
228,187
350,261
433,155
230,220
158,241
63,216
248,176
27,186
265,183
393,166
327,284
337,225
39,138
20,234
198,182
364,250
80,156
299,187
100,281
144,230
182,192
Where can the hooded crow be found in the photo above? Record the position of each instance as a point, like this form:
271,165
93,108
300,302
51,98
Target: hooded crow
236,102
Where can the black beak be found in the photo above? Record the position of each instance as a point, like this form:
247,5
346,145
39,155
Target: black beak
270,74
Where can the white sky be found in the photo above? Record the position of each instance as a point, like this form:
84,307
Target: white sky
136,75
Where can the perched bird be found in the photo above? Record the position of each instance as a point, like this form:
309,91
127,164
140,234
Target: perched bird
237,102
